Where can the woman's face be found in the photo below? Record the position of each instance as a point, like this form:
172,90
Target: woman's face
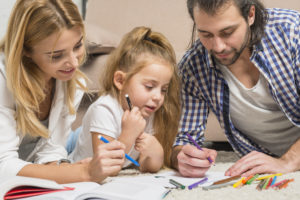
58,55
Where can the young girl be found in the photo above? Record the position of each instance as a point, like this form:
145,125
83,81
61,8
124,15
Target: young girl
143,67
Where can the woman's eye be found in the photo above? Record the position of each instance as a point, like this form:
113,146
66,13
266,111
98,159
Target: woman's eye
78,46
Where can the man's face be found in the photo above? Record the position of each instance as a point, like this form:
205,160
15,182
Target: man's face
224,34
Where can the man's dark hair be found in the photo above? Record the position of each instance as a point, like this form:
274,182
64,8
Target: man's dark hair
213,6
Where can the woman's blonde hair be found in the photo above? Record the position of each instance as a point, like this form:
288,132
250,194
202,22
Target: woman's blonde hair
139,48
32,21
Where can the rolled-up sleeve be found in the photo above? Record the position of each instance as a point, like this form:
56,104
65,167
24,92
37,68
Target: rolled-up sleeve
194,107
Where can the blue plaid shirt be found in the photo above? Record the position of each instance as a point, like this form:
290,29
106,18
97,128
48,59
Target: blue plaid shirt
204,89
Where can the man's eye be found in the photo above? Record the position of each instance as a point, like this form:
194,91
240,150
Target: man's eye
227,34
207,35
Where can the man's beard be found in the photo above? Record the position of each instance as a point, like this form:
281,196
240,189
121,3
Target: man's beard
237,53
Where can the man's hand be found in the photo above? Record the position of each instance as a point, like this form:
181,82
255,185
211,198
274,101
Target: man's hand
258,163
193,162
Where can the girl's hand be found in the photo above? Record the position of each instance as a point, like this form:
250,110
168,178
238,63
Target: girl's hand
107,161
151,153
147,145
133,123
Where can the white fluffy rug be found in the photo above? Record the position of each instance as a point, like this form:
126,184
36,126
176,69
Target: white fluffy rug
248,192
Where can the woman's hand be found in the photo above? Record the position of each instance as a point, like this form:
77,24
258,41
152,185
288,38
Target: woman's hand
107,161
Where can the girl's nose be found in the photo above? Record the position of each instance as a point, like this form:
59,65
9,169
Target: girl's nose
157,95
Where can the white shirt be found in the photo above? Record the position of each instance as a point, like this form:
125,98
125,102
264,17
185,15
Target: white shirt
255,113
46,149
103,116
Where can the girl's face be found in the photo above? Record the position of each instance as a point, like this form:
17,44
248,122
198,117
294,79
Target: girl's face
148,87
59,54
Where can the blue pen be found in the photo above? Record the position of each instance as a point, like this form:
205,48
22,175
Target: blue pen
127,156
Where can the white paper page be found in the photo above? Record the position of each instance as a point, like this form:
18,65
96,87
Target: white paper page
163,179
130,189
212,177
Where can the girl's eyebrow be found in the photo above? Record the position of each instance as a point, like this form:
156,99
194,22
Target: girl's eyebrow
155,82
62,50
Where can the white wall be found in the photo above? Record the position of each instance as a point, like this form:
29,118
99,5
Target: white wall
5,9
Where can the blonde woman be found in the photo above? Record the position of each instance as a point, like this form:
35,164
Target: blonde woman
40,89
144,67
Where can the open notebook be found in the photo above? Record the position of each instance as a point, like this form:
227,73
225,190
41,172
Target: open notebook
13,187
146,187
40,189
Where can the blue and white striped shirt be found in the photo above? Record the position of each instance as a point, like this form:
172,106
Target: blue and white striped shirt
204,89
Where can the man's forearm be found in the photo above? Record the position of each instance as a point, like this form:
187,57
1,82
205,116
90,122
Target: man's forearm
292,157
174,160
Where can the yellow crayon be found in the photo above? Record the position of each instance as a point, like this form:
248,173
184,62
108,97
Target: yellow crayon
238,182
268,176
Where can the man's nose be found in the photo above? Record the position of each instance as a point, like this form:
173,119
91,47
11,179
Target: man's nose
218,45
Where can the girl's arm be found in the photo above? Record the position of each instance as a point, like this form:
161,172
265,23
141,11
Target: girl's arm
108,159
127,141
133,125
151,153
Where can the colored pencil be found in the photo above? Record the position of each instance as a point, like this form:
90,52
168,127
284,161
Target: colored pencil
238,182
227,180
252,179
178,185
197,183
198,147
126,156
272,175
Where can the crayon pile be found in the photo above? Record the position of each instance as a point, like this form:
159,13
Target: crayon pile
265,182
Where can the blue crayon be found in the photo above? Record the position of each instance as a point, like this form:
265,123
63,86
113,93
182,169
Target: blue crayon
126,156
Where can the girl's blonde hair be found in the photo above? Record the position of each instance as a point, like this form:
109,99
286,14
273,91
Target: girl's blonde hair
32,21
137,49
